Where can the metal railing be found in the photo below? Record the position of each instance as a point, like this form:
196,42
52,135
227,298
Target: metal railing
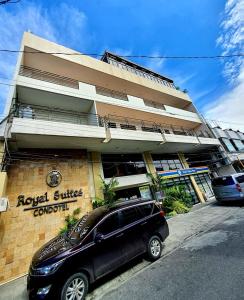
114,121
57,115
48,77
109,121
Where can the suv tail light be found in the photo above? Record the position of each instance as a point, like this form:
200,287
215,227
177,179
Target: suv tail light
238,187
162,213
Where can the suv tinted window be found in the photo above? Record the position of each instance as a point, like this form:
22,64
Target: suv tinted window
223,181
145,210
156,208
110,224
128,216
240,179
86,223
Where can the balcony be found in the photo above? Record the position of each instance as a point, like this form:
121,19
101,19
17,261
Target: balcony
37,112
108,133
48,77
38,127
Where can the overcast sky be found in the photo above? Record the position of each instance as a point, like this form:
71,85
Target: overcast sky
155,27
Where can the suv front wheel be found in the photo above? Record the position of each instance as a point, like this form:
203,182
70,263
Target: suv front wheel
154,248
75,287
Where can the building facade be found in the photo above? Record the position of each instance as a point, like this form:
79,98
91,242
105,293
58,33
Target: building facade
72,120
232,144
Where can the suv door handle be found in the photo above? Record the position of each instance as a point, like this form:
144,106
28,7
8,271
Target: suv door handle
144,223
120,234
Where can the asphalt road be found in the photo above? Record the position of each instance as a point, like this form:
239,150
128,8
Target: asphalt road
209,266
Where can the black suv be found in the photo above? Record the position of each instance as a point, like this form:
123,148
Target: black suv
99,243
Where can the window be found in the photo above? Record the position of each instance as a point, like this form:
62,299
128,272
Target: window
240,179
85,224
128,216
228,145
123,165
128,126
164,162
223,181
112,125
145,210
109,225
239,145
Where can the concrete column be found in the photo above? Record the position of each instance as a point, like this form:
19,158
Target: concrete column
97,172
192,179
149,163
3,174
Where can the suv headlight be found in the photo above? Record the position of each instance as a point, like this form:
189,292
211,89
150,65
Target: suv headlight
47,269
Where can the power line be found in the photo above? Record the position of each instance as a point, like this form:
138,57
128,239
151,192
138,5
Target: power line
179,115
2,2
128,56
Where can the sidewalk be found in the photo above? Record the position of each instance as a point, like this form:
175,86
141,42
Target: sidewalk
182,227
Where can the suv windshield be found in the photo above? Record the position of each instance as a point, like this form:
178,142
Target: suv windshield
223,181
86,223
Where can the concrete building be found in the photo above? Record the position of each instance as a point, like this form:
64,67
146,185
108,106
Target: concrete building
232,142
73,119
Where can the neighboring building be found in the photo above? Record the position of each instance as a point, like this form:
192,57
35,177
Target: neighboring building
233,148
74,119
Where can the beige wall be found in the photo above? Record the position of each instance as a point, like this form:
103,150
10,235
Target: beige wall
94,71
21,234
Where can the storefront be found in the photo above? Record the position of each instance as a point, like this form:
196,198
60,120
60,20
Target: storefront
182,177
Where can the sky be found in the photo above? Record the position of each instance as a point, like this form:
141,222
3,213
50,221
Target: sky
142,27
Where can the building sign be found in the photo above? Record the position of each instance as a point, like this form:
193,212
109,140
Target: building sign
184,172
41,204
145,192
54,178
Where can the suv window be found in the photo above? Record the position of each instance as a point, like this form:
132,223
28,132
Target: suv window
240,179
109,225
223,181
145,210
129,216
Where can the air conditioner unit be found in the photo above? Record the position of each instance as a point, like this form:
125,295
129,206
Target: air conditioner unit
3,204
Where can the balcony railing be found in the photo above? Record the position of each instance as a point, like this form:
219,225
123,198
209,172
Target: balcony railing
114,121
57,115
48,77
22,110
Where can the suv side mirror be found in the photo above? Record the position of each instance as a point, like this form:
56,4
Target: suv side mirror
99,237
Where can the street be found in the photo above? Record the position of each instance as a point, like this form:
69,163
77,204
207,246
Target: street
202,259
208,266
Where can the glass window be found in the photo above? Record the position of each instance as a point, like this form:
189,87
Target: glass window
145,210
165,162
239,145
223,181
128,216
123,165
86,223
109,225
240,179
227,144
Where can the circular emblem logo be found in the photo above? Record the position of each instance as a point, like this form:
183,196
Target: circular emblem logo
54,178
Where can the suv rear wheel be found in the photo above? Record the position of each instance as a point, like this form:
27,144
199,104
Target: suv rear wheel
154,248
75,287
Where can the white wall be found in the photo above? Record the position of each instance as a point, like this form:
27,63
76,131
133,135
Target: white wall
30,126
